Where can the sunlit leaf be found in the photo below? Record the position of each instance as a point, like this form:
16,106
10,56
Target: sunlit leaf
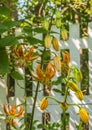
7,41
4,65
16,75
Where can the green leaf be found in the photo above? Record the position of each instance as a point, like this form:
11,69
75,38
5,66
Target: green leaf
4,11
39,30
40,126
22,127
7,41
13,128
57,90
4,65
7,25
33,40
16,75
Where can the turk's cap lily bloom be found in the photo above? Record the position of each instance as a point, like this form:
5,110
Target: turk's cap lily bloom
44,76
83,115
26,55
11,114
12,111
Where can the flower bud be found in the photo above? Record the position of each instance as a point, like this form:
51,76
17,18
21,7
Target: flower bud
43,103
64,106
47,41
78,75
57,63
83,115
64,34
79,95
55,43
58,14
58,23
46,24
73,86
66,57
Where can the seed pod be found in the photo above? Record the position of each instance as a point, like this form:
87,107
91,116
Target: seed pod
47,41
73,86
58,23
83,115
64,34
79,95
57,63
78,75
55,43
64,106
43,103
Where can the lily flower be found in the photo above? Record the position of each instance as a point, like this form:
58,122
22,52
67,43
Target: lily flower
44,76
11,114
24,55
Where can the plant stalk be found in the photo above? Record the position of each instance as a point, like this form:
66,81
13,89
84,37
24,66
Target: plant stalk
33,108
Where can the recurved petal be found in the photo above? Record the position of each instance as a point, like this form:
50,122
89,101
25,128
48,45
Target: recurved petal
39,72
29,53
20,51
6,110
50,71
12,110
20,113
15,52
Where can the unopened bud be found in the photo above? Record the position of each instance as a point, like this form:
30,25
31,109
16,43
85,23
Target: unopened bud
57,63
77,75
84,115
58,23
46,24
73,86
47,41
43,103
55,43
79,95
64,34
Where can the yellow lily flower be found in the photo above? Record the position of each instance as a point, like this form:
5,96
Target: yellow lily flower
20,54
11,114
44,76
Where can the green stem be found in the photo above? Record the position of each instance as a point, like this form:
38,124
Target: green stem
53,99
64,120
33,109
